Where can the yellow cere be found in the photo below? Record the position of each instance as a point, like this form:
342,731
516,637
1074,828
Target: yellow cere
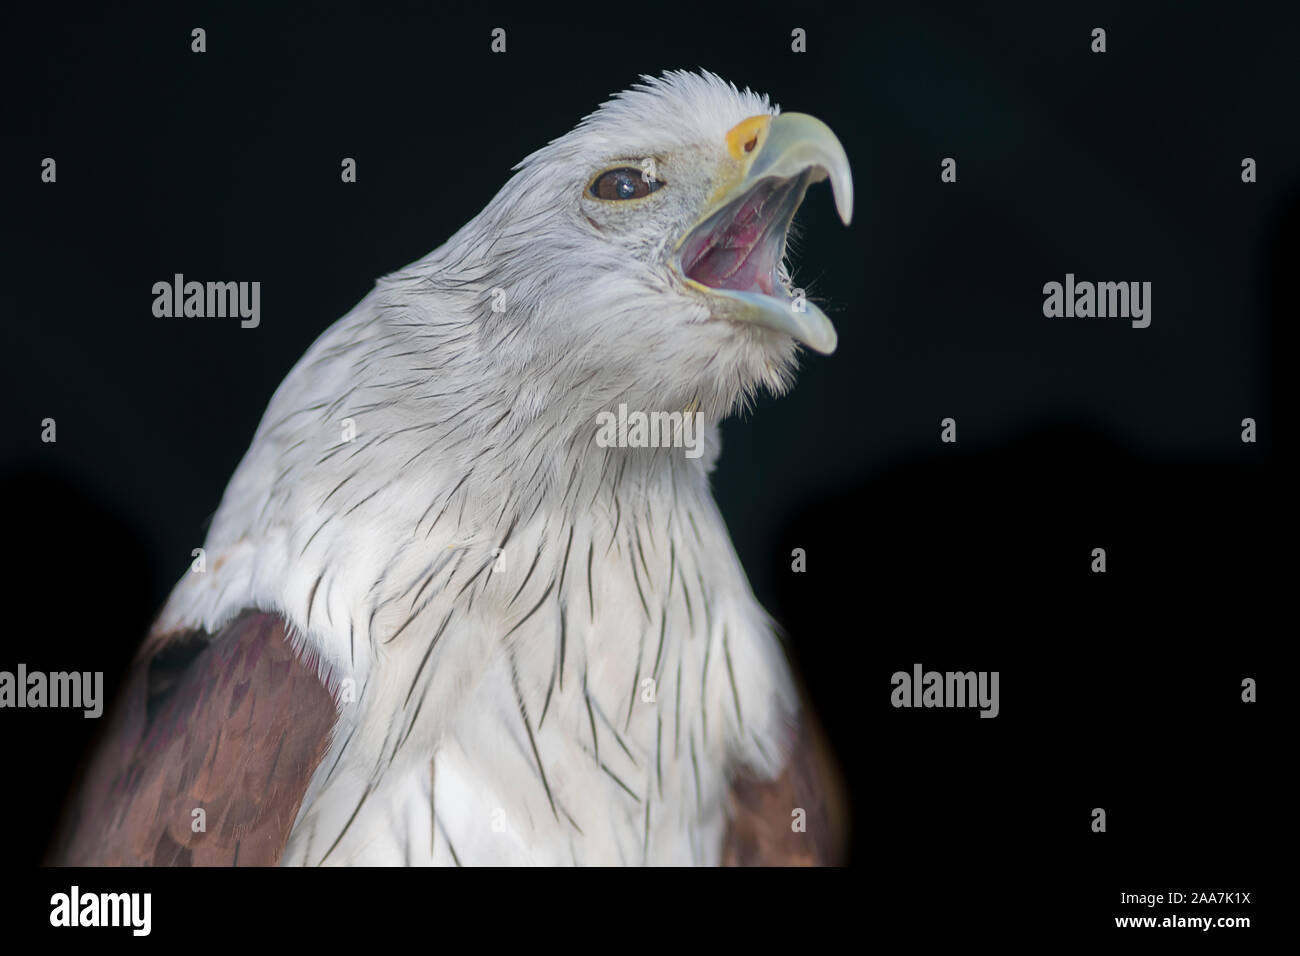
744,136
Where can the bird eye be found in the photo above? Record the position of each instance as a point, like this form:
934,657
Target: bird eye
623,183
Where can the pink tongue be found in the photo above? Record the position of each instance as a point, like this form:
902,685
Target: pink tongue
728,261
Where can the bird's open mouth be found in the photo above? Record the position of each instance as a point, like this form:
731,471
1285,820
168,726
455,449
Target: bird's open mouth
740,247
733,255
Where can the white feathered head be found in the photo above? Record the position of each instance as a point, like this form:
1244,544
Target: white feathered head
639,258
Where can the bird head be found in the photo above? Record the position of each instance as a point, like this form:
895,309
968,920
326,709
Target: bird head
641,257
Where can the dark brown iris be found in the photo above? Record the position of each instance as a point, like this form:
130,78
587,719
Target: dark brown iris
623,183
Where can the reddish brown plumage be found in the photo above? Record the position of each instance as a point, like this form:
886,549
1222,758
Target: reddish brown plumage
761,831
235,724
232,723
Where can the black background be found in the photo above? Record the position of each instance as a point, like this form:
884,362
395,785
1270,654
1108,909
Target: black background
1119,690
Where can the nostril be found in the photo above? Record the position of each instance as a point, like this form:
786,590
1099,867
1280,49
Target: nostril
753,141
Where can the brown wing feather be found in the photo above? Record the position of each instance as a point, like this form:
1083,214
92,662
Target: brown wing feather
761,831
231,723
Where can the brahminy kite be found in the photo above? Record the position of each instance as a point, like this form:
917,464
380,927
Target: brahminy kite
448,614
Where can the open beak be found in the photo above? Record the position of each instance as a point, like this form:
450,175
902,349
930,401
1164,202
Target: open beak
735,252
